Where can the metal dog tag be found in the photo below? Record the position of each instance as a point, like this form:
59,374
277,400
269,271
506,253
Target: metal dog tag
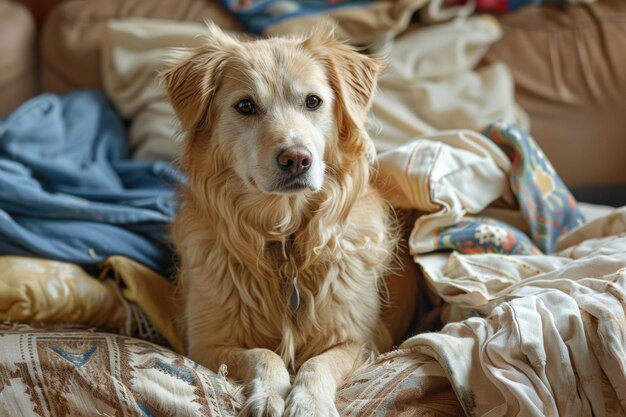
294,299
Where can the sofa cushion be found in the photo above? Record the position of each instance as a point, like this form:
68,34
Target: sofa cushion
133,51
568,65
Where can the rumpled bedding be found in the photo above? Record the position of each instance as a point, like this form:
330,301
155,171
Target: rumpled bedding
125,297
46,291
432,83
455,176
532,333
82,373
534,336
70,195
362,22
133,50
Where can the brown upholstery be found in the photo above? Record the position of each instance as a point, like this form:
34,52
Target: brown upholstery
70,42
18,79
569,65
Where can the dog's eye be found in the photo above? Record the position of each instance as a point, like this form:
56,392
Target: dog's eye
245,107
313,102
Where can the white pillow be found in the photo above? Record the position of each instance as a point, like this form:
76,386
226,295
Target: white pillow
134,50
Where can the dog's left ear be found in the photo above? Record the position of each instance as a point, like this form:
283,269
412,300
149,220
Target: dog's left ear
353,77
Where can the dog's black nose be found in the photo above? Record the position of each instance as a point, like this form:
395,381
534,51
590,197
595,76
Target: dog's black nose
295,160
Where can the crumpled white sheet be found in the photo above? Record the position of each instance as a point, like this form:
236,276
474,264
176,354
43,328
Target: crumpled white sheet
535,335
133,51
433,82
447,175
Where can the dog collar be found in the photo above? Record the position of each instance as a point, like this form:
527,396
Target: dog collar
289,272
294,298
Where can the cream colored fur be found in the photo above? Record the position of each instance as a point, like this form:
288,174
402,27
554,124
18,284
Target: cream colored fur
235,231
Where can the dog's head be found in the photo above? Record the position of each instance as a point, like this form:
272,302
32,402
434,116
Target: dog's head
282,112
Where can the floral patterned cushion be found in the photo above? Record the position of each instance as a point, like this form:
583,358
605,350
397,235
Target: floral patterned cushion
545,203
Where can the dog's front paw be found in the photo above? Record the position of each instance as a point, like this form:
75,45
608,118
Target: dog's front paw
263,404
302,403
266,399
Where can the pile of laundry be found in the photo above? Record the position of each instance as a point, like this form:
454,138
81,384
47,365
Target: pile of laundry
69,192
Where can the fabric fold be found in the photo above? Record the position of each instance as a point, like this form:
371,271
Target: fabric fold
446,175
68,190
534,335
51,292
127,297
433,82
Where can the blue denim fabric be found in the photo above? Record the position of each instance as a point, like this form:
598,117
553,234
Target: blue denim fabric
69,192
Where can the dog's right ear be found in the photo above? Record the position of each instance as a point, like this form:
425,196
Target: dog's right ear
191,77
353,77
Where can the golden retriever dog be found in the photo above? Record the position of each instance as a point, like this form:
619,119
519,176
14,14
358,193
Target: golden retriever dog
282,239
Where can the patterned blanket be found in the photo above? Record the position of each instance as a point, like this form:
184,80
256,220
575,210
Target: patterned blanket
545,203
78,373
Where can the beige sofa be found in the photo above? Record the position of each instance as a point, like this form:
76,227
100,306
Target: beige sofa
570,72
575,106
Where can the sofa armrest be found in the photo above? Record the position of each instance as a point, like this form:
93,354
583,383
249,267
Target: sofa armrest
569,66
18,78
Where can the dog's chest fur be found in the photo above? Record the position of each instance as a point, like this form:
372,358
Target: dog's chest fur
339,301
